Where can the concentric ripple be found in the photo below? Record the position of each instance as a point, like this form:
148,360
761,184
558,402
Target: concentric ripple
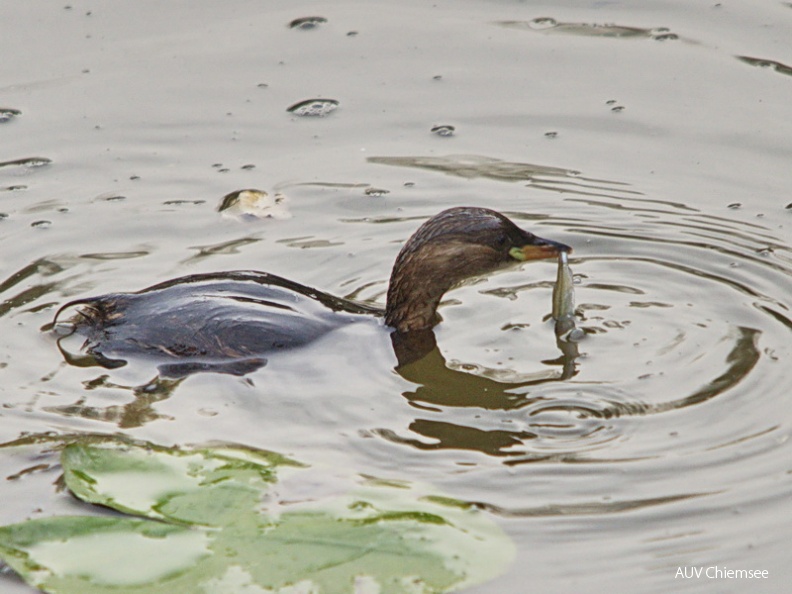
679,309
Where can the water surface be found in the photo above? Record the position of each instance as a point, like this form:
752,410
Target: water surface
654,138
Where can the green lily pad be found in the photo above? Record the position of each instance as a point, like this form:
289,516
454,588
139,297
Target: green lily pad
210,521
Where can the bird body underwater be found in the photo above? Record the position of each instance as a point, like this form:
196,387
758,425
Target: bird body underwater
229,322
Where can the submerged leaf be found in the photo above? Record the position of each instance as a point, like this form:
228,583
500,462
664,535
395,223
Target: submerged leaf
207,530
201,487
94,555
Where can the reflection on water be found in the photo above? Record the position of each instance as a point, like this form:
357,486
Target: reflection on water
567,421
542,177
585,509
549,25
137,413
40,268
770,64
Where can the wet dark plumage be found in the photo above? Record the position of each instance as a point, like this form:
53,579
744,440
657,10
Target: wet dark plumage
229,322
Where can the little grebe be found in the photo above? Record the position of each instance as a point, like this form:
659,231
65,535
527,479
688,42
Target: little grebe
227,322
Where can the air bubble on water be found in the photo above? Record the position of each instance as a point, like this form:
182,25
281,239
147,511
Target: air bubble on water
43,224
375,192
37,162
30,162
543,23
313,107
7,114
307,23
765,251
515,326
443,130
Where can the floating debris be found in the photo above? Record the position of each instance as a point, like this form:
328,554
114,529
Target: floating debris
16,188
43,224
443,130
734,205
254,204
7,114
551,134
313,107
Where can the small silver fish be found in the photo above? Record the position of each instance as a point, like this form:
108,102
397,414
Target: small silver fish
564,302
564,290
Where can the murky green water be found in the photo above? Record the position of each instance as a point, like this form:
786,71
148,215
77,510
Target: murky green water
658,146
